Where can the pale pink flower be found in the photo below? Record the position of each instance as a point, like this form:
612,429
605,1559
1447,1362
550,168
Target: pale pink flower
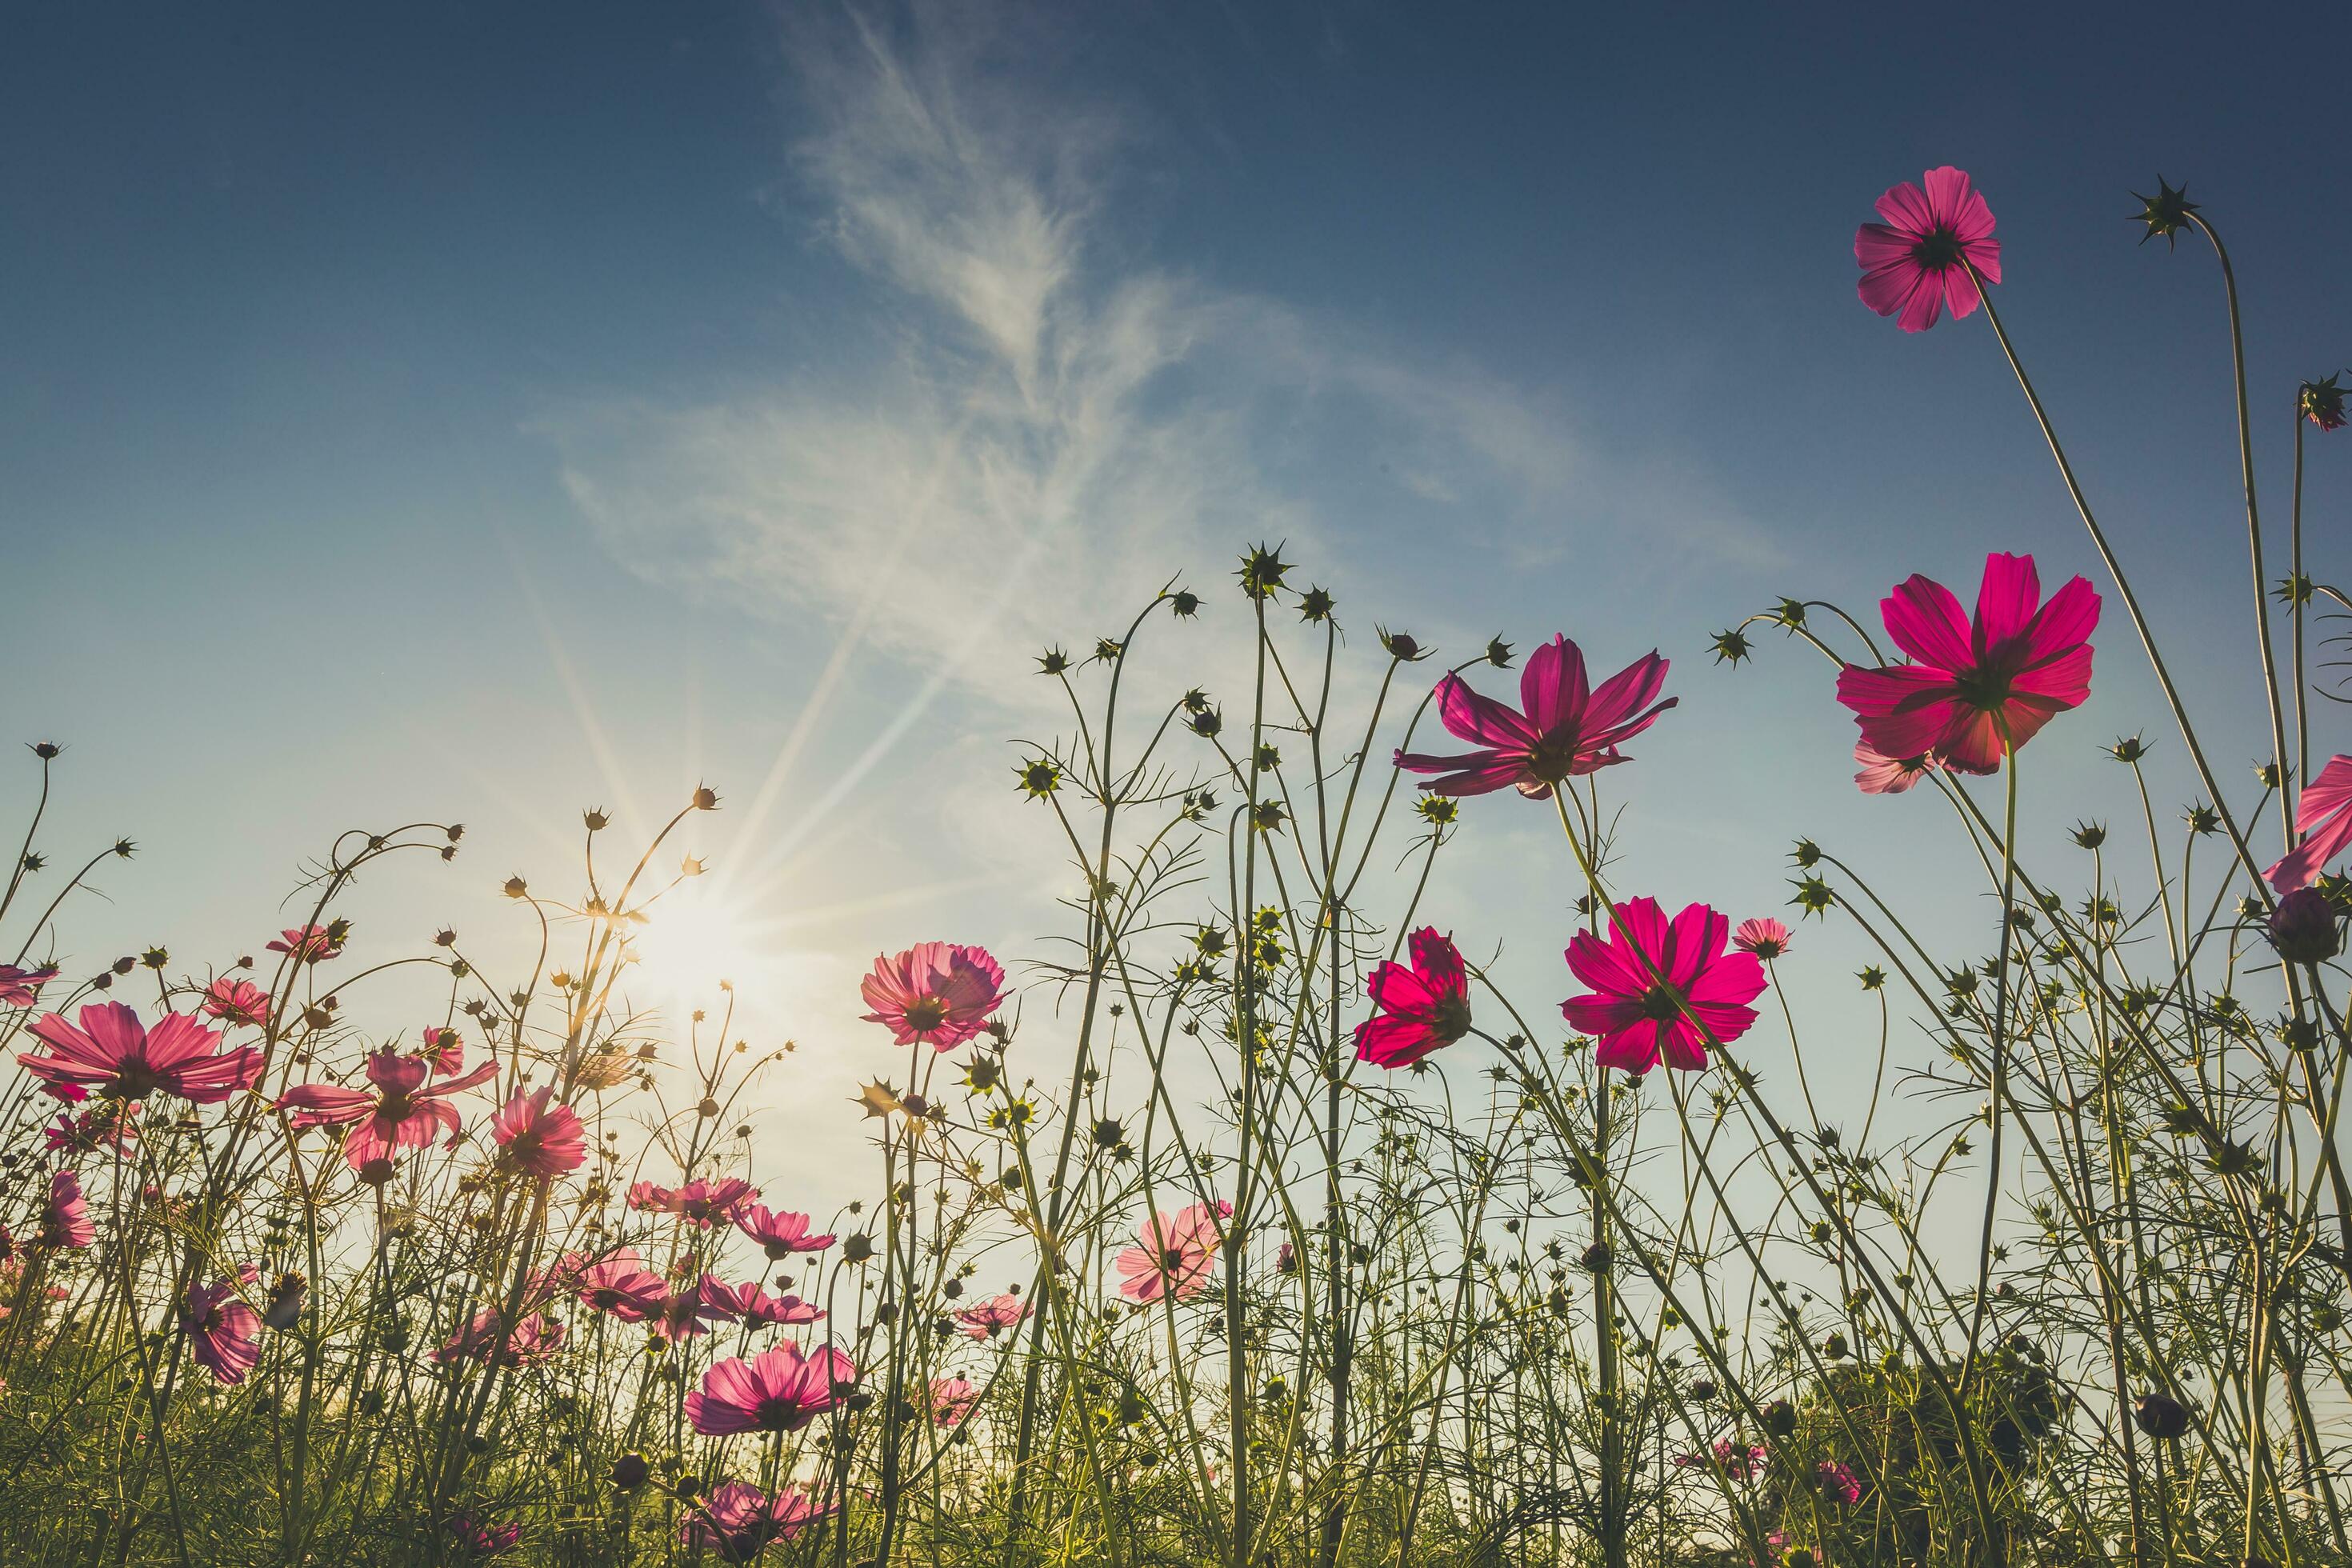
778,1390
739,1521
539,1138
700,1203
1173,1254
951,1400
313,944
985,1320
779,1233
1764,936
233,1001
938,992
1883,774
535,1340
621,1285
116,1055
751,1302
22,987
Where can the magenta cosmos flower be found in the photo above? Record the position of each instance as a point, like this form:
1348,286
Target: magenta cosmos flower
621,1285
1973,691
1638,1018
65,1218
739,1521
935,992
479,1538
236,1001
22,987
115,1054
535,1340
1764,936
1837,1483
1567,729
401,1113
1422,1009
700,1203
778,1390
2325,813
985,1320
1917,261
224,1334
1740,1461
539,1138
311,945
779,1233
1173,1254
1883,774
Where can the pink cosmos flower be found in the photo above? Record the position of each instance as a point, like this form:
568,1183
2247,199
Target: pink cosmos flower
1883,774
106,1126
1424,1009
1740,1461
2325,813
22,987
779,1233
445,1048
233,1001
938,992
1972,687
1173,1254
696,1309
751,1302
1914,262
1635,1017
951,1400
739,1521
1567,730
479,1539
224,1334
621,1285
65,1218
778,1390
985,1320
313,944
115,1054
699,1203
535,1340
1837,1483
541,1139
401,1113
1764,936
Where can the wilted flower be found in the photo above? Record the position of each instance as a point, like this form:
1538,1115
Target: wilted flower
2322,403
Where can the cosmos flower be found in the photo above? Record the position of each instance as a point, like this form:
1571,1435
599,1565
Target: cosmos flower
311,945
1917,261
621,1285
951,1400
695,1310
403,1112
935,992
1975,690
737,1521
445,1048
751,1302
699,1203
985,1320
1567,729
115,1054
233,1001
2322,402
2324,813
541,1139
479,1538
1765,937
1173,1254
779,1233
1883,774
106,1126
535,1340
1740,1461
224,1334
1837,1483
22,987
778,1390
1422,1009
1635,1017
65,1218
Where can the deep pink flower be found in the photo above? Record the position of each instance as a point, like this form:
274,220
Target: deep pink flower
115,1054
1837,1483
401,1113
540,1139
951,1400
478,1539
1567,730
778,1390
621,1285
985,1320
938,992
779,1233
1635,1017
313,944
1173,1254
699,1203
233,1001
739,1521
535,1340
1764,936
2323,811
224,1334
1914,261
65,1218
107,1126
22,987
1970,686
1422,1009
751,1302
1883,774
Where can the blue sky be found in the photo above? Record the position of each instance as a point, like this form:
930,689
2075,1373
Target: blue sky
487,412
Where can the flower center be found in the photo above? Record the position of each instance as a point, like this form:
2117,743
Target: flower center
1662,1003
1938,250
926,1014
1553,755
1450,1019
775,1414
1984,689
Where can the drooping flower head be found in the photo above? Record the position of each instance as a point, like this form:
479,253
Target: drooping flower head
224,1334
1764,936
401,1113
1917,261
779,1233
1974,691
540,1138
116,1054
778,1390
22,987
621,1285
313,944
700,1203
2322,813
985,1320
2322,402
1637,1018
1422,1009
1883,774
65,1218
737,1521
938,992
1173,1254
1564,728
951,1400
233,1001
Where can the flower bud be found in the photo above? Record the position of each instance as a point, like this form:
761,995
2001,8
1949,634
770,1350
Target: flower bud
2303,928
2158,1416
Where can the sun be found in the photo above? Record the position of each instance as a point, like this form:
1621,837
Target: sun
694,940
